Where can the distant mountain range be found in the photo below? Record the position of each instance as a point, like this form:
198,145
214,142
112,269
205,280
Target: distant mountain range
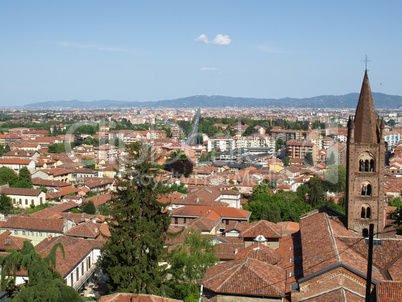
381,101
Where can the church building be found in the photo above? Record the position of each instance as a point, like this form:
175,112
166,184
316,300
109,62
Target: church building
365,166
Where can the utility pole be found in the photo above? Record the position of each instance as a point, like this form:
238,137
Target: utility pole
370,262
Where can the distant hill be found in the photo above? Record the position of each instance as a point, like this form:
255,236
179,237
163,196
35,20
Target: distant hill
381,101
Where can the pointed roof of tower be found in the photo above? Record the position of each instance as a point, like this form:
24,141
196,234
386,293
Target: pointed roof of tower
365,117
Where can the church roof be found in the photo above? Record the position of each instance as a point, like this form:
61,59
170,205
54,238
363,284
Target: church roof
365,117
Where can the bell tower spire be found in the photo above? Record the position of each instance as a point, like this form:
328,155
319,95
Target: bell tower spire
365,165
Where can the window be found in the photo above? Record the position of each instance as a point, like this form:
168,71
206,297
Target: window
32,201
14,200
365,233
20,201
77,271
365,212
30,233
366,162
15,232
23,233
26,201
176,220
366,189
41,200
38,234
72,279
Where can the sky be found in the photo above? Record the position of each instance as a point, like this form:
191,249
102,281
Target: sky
158,50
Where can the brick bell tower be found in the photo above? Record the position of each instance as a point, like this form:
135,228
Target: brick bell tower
365,166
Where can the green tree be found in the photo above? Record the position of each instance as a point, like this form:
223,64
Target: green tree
24,176
23,183
188,263
138,228
203,158
88,207
104,209
278,144
179,164
57,148
249,130
45,283
6,204
286,161
3,149
308,159
8,175
331,159
316,191
335,178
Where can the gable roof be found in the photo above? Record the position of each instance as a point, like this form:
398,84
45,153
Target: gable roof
261,227
34,223
21,191
247,277
11,242
260,252
75,250
224,212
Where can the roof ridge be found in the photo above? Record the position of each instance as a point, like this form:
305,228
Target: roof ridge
271,285
231,275
332,237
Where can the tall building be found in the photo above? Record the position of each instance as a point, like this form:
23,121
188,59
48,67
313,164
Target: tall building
365,166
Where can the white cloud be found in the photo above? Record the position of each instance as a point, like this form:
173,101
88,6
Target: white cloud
208,69
218,40
222,40
202,38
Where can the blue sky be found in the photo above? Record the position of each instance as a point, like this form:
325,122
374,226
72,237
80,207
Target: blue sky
154,50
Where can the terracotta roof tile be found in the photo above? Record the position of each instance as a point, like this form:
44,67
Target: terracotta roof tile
262,227
245,276
34,223
125,297
20,191
389,291
260,252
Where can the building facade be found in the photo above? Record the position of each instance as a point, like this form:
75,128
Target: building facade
365,166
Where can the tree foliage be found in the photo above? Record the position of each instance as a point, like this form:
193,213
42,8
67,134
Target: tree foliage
45,283
138,227
308,159
88,207
275,207
8,175
188,263
179,164
6,204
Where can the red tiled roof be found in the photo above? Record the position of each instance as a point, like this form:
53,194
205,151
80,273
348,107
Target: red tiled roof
126,297
75,250
227,212
15,161
260,252
246,277
21,191
11,242
262,227
390,291
34,223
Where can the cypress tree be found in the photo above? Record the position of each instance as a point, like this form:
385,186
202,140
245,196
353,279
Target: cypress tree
138,228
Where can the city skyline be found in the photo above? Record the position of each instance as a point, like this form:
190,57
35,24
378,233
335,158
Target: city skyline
130,51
